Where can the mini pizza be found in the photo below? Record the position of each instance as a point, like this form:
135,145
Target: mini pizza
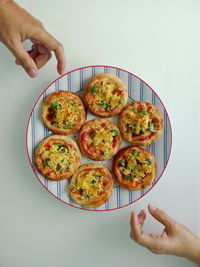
57,157
105,95
141,123
99,139
91,186
134,168
63,112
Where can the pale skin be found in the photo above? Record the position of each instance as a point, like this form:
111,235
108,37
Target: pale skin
175,239
16,26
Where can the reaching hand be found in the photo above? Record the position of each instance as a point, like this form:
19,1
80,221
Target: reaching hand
16,26
175,239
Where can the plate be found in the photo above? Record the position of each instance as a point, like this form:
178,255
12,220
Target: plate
75,81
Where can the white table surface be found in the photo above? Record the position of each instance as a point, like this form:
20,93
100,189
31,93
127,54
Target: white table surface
160,42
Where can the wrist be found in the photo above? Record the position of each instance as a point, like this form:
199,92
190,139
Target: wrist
194,253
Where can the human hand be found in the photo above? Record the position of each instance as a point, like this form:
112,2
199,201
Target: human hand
16,26
175,239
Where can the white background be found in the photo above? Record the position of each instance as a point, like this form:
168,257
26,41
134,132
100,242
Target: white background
157,40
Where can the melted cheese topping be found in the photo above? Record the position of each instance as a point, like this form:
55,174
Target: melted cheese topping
90,183
106,94
103,140
137,168
137,120
67,114
59,158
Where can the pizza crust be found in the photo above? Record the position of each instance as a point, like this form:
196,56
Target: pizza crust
102,197
90,152
137,139
68,97
94,108
47,171
130,183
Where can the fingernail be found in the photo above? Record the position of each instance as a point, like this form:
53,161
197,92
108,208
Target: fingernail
153,208
32,72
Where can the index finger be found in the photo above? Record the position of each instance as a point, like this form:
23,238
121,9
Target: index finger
45,38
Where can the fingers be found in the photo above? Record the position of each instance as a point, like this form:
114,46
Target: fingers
47,40
142,217
25,60
39,54
161,216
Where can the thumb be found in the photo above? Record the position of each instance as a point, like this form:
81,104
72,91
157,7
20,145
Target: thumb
161,216
25,60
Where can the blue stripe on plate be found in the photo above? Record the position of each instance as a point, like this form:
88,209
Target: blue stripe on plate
141,99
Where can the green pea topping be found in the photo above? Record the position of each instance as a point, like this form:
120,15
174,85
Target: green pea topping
151,127
114,132
143,111
134,153
94,89
59,167
133,109
93,134
104,105
149,162
128,177
121,101
106,154
92,144
122,163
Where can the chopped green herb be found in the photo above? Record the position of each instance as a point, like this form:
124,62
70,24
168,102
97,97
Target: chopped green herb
134,153
121,101
94,89
143,111
151,127
92,182
93,134
59,167
133,109
96,176
149,162
133,130
73,104
92,144
68,124
128,177
114,132
66,165
122,163
106,107
47,163
55,105
101,103
58,144
142,131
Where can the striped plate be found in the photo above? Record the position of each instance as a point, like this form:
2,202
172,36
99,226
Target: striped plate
75,81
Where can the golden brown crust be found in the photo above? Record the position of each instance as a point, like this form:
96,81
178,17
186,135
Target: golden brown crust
102,151
102,196
136,183
48,171
48,112
140,139
97,109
